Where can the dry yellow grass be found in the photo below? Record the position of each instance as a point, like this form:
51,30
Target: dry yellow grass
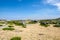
32,32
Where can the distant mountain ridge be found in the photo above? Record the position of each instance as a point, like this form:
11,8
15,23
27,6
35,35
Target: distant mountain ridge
30,19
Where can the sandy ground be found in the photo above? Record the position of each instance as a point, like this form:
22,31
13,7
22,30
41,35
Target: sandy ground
32,32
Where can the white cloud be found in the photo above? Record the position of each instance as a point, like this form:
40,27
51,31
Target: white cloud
54,3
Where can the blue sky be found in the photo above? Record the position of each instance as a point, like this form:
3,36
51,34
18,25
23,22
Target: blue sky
29,9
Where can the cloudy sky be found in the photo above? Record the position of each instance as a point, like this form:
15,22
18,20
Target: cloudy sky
29,9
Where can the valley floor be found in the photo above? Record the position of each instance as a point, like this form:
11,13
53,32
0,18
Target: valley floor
32,32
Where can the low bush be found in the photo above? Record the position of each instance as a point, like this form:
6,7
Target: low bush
2,22
54,23
18,24
16,38
57,25
1,25
10,23
32,22
10,26
21,24
24,25
8,29
44,24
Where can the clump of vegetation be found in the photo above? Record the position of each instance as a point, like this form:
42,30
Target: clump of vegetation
2,22
1,25
10,26
17,23
32,22
57,25
16,38
44,24
10,22
9,29
24,25
21,24
54,23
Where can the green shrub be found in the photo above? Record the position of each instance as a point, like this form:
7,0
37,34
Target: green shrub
2,22
8,29
20,24
44,24
10,22
54,22
32,22
1,25
10,26
16,38
57,25
24,25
